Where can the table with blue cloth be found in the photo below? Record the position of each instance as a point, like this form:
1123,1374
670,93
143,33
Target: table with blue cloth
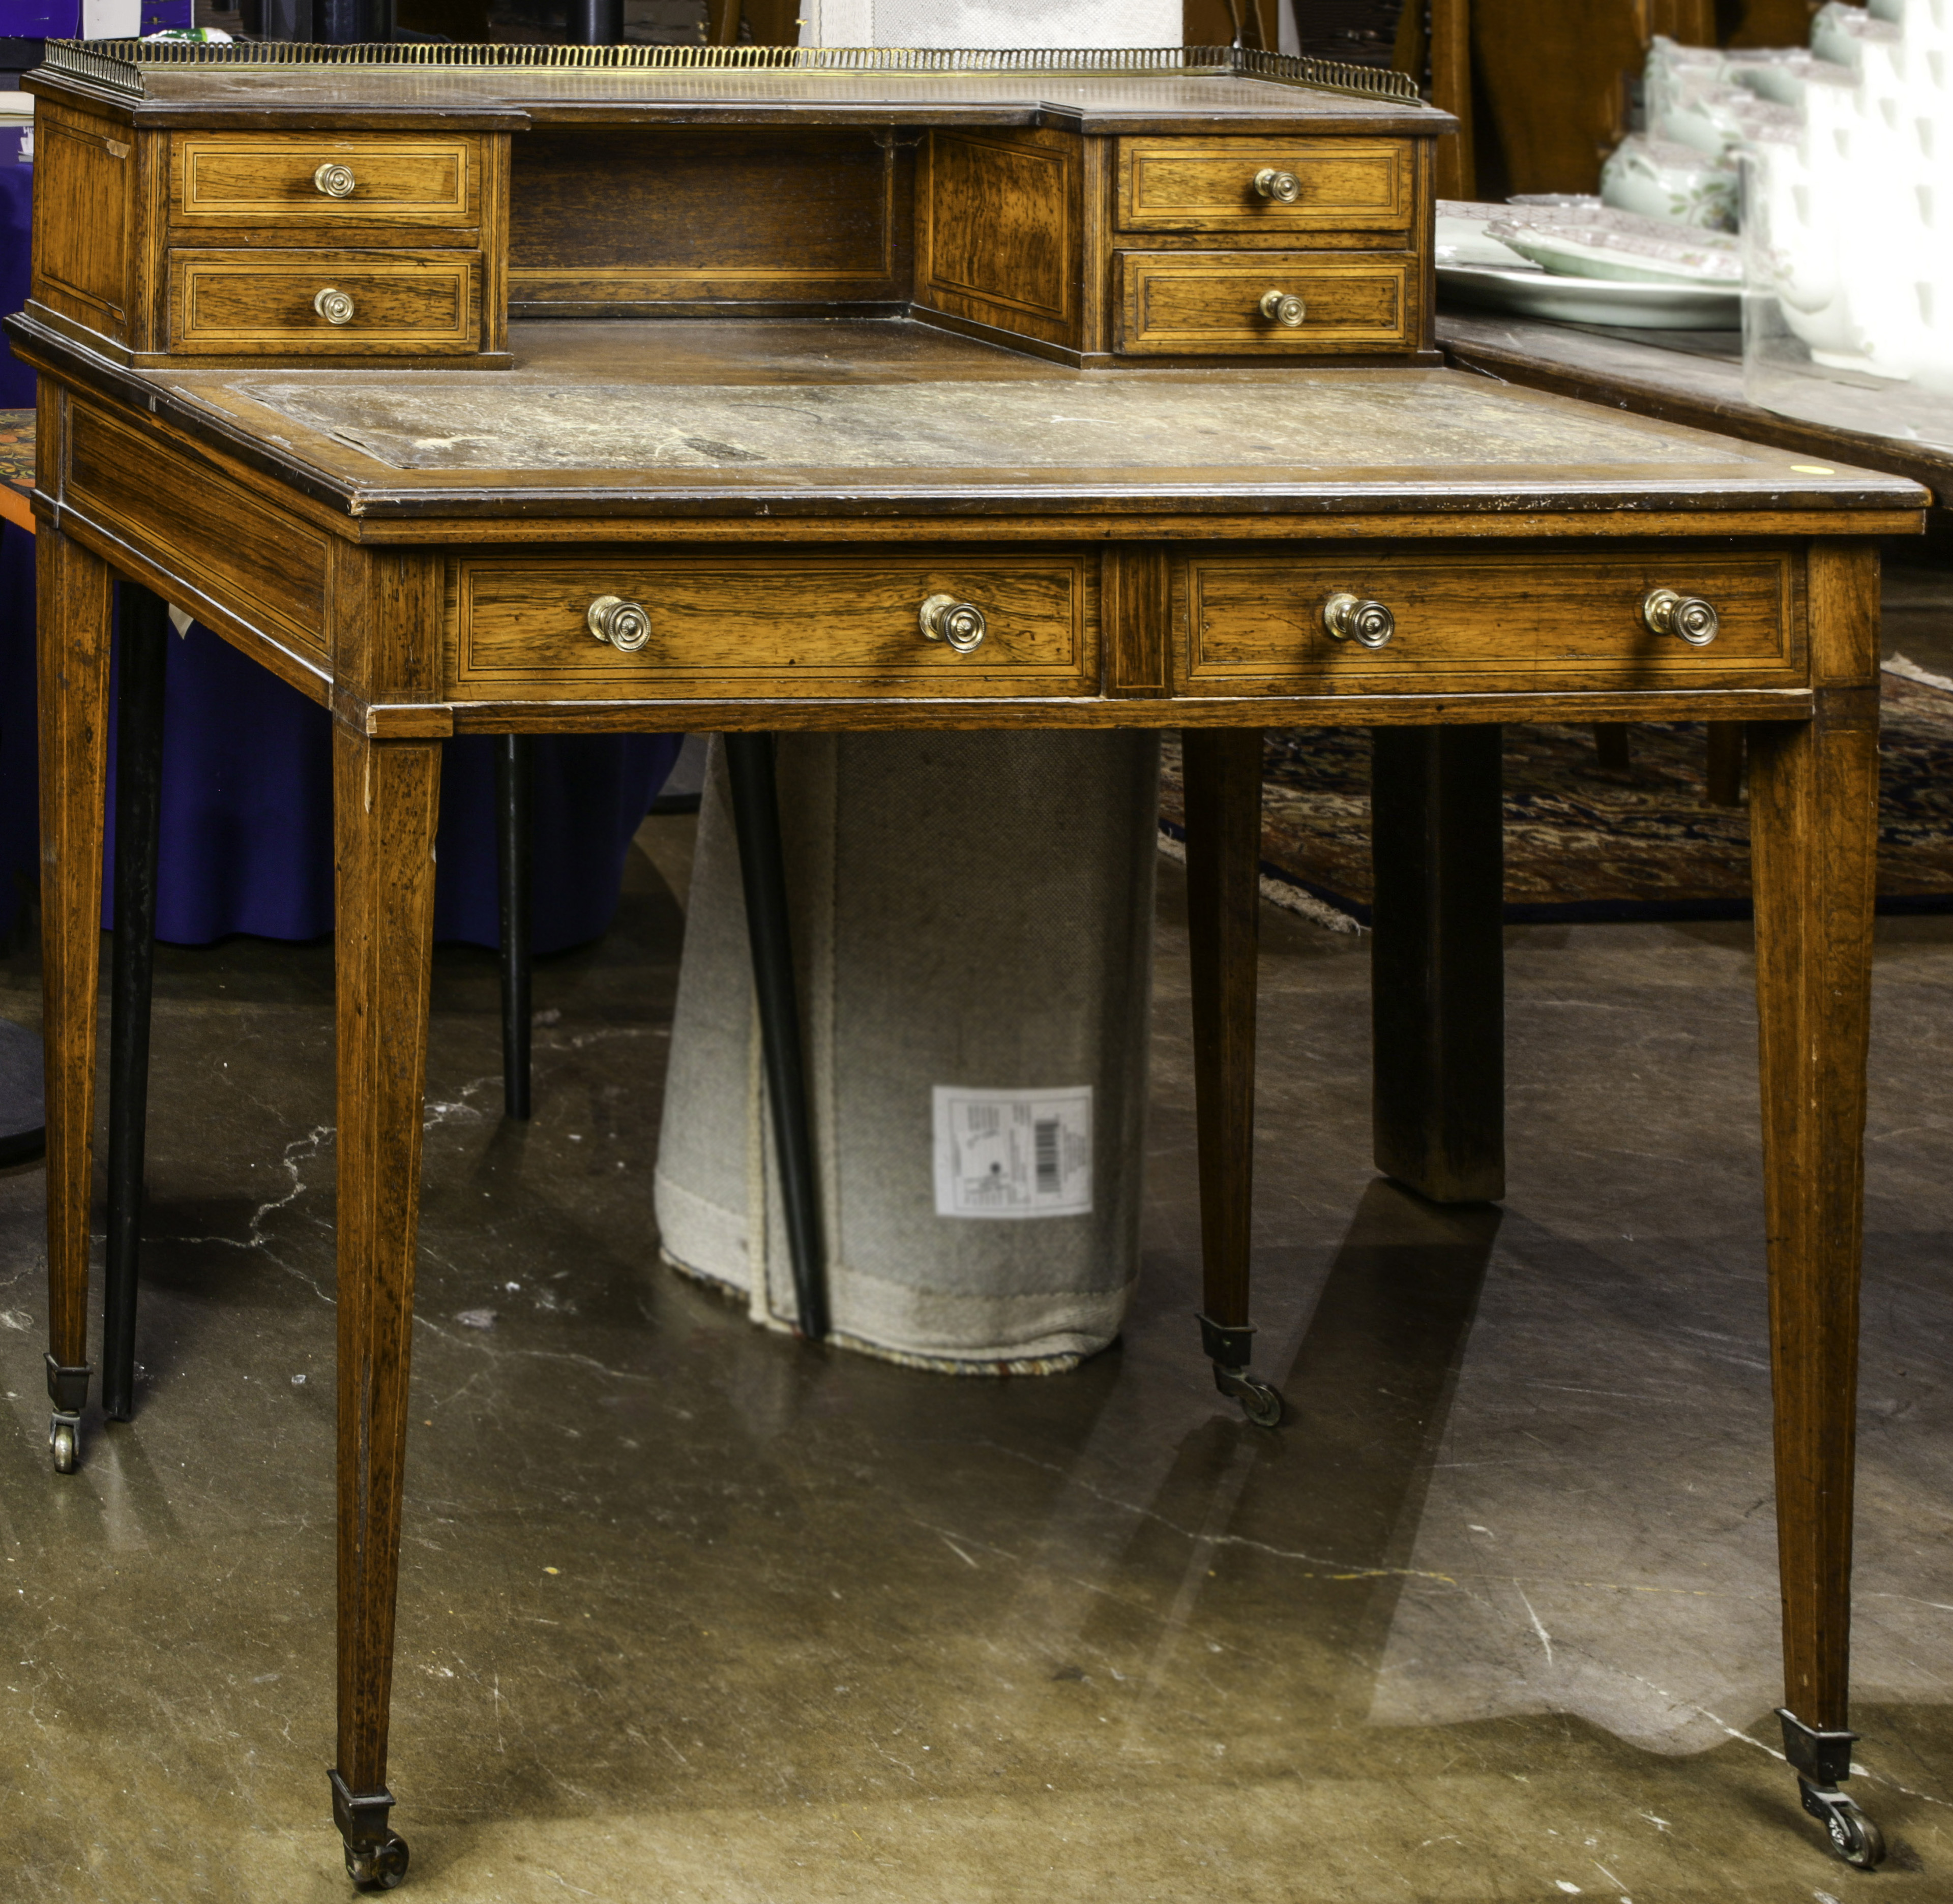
247,763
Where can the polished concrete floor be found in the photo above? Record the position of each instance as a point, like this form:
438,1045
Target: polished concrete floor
692,1612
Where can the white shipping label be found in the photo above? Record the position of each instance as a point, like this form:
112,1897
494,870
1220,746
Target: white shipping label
111,18
1013,1153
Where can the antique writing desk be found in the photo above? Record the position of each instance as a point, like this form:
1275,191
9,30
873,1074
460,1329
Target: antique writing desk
483,398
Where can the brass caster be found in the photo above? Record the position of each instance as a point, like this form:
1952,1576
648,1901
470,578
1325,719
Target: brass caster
1260,1401
376,1857
64,1442
1857,1839
377,1867
1228,1346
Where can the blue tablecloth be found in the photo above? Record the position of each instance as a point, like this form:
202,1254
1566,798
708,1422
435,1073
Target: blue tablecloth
17,235
247,768
247,801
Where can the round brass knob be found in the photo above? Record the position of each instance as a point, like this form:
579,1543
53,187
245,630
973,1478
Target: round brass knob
624,624
961,624
1666,612
336,307
1284,187
1284,308
1349,617
335,181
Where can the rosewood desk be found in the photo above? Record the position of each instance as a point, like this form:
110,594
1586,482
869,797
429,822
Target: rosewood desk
750,523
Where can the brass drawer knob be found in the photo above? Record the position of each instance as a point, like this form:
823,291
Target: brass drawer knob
1284,308
1349,617
961,624
335,181
624,624
336,307
1284,187
1666,612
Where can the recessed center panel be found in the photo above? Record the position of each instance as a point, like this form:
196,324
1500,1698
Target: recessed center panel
666,220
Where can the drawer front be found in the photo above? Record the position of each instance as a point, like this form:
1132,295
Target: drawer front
265,303
1524,620
786,625
1210,184
1212,301
219,180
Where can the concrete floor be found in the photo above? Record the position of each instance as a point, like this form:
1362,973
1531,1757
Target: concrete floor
690,1612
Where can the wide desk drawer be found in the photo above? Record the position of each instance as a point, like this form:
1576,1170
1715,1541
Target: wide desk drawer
1262,302
1524,620
1243,185
691,625
323,303
323,179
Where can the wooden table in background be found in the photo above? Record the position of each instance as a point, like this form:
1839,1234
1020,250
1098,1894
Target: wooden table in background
1689,377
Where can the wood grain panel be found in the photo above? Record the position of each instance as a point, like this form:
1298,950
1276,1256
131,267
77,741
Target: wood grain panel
236,303
1001,243
1172,303
656,219
1209,184
1543,621
792,624
268,566
1138,619
223,179
83,215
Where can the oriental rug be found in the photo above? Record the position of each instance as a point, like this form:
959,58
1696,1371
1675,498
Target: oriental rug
1583,841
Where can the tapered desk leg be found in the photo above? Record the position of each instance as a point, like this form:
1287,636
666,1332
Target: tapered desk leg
386,796
74,613
756,818
1437,963
1221,772
1814,793
515,855
139,787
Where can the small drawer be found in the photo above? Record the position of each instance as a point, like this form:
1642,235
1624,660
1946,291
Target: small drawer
1241,185
218,180
1210,301
1544,618
331,304
782,625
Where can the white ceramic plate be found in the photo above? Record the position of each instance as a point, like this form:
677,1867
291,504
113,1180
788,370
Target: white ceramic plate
1593,300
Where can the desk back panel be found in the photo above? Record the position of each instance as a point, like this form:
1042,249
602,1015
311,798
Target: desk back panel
760,223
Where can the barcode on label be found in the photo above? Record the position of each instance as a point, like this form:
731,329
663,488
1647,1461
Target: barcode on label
1013,1153
1044,1133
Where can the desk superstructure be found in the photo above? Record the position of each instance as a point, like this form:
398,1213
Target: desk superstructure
1114,409
1187,205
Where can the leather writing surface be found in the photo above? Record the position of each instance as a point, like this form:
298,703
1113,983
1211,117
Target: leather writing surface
1377,421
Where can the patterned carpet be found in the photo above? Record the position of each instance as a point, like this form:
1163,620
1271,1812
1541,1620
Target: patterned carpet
17,467
1585,842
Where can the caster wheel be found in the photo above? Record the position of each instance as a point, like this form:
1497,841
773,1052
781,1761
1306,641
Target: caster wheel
63,1443
1857,1839
1860,1842
380,1867
1261,1405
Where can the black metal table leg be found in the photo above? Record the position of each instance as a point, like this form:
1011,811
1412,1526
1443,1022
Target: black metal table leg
515,854
756,817
144,628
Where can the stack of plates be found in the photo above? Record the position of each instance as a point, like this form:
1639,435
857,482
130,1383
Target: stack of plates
1578,261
